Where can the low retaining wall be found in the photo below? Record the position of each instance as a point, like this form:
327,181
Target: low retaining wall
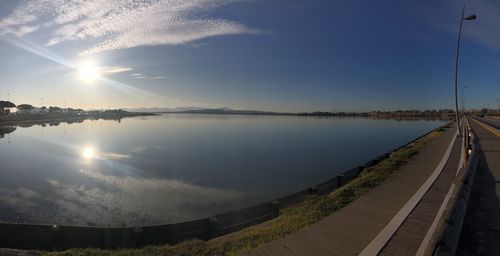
47,237
445,239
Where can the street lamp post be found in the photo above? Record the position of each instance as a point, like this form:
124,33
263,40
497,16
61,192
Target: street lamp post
498,108
462,18
463,100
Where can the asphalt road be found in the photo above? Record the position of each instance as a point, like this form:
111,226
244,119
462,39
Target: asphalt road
481,227
490,121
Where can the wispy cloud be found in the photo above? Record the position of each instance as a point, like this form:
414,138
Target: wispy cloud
138,149
142,76
445,15
115,69
198,45
120,24
157,77
113,156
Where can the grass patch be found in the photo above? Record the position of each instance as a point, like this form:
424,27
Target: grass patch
291,219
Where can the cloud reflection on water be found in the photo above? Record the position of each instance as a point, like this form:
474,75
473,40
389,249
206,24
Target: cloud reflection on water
118,201
175,168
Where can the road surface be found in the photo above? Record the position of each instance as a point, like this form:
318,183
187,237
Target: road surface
495,123
481,230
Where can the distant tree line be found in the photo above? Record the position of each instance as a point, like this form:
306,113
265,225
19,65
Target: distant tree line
321,113
414,113
5,106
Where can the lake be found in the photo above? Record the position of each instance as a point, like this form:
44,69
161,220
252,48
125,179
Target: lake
177,167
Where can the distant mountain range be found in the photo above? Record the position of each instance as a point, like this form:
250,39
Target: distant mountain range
200,110
164,109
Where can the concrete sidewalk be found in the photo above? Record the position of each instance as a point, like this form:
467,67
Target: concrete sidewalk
350,230
481,229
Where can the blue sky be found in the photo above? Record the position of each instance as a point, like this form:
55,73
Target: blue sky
281,55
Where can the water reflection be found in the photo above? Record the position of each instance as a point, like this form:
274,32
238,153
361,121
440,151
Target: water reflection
178,167
6,130
114,201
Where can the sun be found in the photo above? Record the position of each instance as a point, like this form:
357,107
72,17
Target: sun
88,153
88,72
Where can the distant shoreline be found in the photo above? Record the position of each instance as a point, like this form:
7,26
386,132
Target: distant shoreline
372,115
48,118
14,119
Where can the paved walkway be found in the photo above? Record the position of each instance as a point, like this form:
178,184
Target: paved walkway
481,230
362,226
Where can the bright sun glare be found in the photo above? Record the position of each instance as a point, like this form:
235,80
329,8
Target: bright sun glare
88,72
88,152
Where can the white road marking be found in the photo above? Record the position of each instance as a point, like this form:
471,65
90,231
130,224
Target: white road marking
377,244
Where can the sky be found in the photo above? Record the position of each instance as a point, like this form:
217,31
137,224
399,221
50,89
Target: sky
276,55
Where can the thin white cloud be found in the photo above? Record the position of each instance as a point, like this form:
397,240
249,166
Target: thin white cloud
113,156
115,69
120,24
23,30
199,45
142,76
138,149
445,15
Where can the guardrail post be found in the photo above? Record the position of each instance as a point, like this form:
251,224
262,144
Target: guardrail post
447,237
314,190
55,237
276,207
212,227
138,236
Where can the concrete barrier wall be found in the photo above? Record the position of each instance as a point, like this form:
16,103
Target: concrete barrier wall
350,175
173,233
327,186
451,225
236,220
47,237
444,240
294,198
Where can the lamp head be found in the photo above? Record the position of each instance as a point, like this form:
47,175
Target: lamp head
470,17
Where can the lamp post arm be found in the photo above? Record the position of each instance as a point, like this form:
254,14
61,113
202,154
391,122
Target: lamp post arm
456,71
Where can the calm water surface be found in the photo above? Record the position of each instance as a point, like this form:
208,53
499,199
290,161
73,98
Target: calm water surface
171,168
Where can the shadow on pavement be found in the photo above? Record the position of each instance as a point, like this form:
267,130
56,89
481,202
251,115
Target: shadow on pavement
481,227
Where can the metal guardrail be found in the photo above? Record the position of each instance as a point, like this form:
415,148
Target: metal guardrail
53,237
444,240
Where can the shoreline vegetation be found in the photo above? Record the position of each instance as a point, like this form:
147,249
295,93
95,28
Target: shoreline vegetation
403,114
12,114
53,118
56,117
290,219
50,117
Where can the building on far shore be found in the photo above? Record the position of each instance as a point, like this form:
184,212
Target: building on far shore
34,110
